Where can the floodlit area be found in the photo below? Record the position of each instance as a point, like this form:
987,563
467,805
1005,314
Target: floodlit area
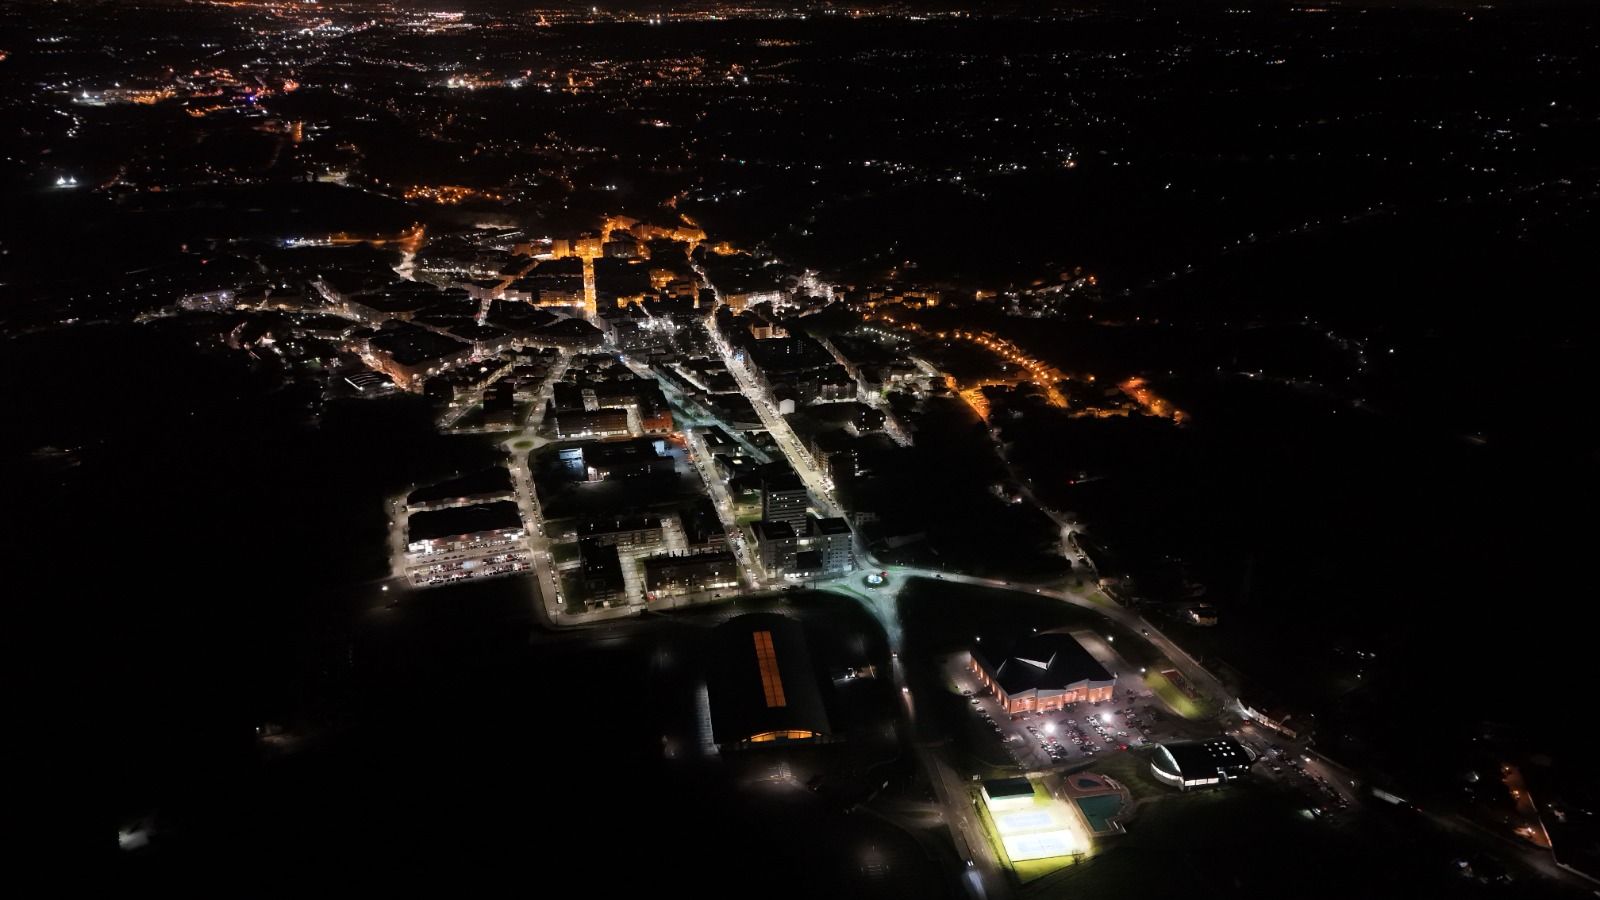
1039,845
1036,826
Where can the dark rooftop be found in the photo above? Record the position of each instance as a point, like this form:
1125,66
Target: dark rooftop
1050,661
782,480
616,524
459,520
410,345
1205,759
767,529
761,680
615,452
490,481
1008,787
570,328
832,525
602,565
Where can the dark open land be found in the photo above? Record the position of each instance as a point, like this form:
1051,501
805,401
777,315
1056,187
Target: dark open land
475,746
961,524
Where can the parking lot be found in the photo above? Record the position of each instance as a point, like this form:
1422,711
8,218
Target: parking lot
1077,734
1328,793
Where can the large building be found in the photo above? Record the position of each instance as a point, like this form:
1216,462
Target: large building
493,483
630,534
458,527
573,423
1191,764
603,581
673,576
783,499
703,531
500,405
1008,793
1042,672
761,685
602,460
408,353
776,546
831,540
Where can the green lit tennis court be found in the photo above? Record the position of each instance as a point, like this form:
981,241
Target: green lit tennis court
1032,832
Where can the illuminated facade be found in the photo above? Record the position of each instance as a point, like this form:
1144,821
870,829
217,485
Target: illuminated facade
671,576
464,527
576,423
1042,672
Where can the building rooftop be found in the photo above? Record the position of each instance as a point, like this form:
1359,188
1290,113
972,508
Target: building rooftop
472,331
700,522
658,564
617,452
519,316
570,328
767,530
601,564
409,345
1008,787
493,480
1203,759
831,525
569,265
782,480
761,683
616,524
460,520
1050,661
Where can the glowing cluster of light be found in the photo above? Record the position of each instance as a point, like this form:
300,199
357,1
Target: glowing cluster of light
448,194
1036,827
1152,404
1040,373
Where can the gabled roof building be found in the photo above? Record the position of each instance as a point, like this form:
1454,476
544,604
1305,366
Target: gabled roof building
1041,672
